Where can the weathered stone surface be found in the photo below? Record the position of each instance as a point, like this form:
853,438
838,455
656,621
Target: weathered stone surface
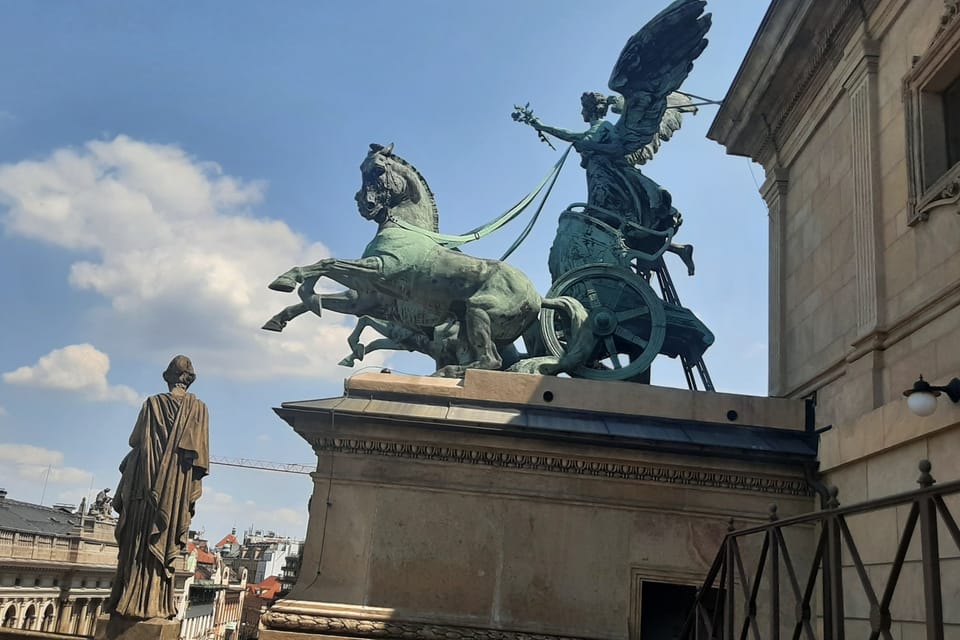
465,521
120,628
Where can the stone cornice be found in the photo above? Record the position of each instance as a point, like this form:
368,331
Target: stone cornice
757,71
566,464
788,62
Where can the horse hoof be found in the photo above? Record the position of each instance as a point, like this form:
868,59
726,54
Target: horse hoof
347,362
284,283
274,325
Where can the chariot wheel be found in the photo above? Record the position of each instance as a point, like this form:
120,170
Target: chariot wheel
626,318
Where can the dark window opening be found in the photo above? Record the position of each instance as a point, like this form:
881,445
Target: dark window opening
951,113
664,608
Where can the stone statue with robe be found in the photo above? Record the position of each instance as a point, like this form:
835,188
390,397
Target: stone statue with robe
159,487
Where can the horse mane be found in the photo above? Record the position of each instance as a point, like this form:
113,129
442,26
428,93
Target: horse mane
425,188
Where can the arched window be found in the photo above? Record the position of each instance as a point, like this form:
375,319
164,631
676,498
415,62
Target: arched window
10,616
46,623
30,618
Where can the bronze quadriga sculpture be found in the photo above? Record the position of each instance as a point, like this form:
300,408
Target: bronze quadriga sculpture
422,294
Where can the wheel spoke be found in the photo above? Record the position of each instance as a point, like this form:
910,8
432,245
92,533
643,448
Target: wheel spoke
615,297
593,298
630,314
626,334
612,352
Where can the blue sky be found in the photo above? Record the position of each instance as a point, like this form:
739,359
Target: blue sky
159,165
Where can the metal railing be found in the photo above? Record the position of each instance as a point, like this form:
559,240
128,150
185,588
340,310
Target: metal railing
811,604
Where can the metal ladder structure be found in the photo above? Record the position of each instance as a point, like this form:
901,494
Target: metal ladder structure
669,294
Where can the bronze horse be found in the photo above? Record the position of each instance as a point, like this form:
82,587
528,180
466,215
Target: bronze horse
483,305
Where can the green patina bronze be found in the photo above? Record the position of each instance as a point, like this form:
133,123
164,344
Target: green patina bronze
463,311
607,249
413,287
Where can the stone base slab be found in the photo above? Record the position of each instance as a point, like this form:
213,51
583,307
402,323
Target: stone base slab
120,628
300,620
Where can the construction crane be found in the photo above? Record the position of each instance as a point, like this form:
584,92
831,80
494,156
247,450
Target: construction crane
264,465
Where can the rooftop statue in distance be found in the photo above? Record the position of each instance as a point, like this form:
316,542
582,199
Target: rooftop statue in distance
159,488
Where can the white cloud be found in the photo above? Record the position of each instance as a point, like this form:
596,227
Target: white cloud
29,454
218,510
172,243
78,367
36,464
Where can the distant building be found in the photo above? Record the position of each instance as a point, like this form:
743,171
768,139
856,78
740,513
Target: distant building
259,598
56,567
291,569
213,600
264,554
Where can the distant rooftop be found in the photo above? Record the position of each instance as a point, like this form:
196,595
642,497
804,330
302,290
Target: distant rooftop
34,518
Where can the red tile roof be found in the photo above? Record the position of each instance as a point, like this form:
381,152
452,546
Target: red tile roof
203,557
267,589
227,539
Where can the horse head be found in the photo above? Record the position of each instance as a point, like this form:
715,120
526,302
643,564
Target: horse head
391,185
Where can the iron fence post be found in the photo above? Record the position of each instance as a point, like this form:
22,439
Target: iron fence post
833,574
729,609
774,577
930,556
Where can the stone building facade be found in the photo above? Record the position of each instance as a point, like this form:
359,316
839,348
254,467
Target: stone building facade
56,568
852,109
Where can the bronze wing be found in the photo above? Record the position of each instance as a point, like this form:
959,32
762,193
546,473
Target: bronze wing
652,66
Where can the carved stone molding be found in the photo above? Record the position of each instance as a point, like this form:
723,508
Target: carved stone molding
944,194
933,183
822,56
567,465
950,15
315,623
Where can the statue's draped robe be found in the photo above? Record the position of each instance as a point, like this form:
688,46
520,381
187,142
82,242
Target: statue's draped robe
616,185
159,486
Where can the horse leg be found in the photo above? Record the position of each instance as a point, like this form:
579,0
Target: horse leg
342,271
347,302
356,347
279,321
398,337
479,337
376,345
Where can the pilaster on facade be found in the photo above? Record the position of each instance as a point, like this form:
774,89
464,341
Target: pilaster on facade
774,193
861,87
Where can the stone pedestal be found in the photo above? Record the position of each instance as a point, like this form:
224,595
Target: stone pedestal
119,628
506,505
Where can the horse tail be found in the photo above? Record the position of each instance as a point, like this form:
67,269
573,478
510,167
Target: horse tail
581,344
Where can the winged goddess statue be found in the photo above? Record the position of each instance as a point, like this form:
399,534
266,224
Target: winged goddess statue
650,69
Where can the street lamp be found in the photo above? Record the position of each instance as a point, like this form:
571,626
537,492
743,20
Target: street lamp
922,396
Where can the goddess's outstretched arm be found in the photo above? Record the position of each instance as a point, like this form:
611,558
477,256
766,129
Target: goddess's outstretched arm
563,134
